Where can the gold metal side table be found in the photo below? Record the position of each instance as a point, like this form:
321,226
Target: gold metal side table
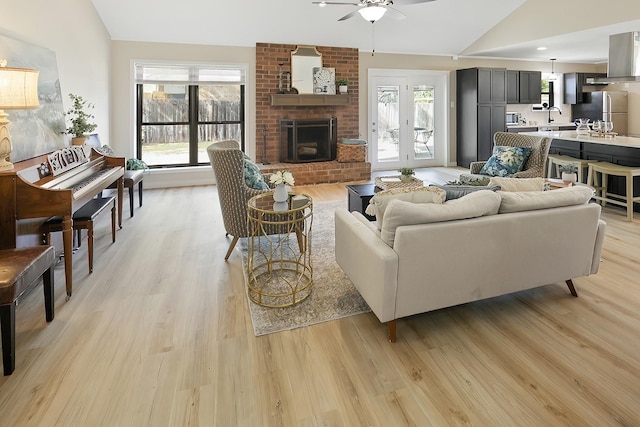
279,269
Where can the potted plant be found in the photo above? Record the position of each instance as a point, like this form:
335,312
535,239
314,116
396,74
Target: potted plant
569,173
343,85
81,120
406,174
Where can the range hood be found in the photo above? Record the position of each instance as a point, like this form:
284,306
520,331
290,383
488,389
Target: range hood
624,58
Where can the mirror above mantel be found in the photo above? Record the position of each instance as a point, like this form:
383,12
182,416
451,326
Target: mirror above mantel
303,60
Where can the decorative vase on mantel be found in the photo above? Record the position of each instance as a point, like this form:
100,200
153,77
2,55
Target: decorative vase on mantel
280,193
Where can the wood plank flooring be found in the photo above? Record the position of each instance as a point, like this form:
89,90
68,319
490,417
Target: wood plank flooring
160,335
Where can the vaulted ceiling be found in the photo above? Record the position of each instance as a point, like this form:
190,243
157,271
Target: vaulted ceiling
572,30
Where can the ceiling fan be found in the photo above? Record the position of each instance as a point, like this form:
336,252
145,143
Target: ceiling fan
373,10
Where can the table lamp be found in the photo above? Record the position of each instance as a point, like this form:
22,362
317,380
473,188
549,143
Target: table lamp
18,91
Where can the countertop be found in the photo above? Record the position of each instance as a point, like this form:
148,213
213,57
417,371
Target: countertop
623,141
543,125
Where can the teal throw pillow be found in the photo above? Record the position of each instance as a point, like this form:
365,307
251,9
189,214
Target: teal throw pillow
506,161
252,176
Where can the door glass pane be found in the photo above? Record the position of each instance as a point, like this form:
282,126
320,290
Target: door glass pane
423,107
388,123
165,144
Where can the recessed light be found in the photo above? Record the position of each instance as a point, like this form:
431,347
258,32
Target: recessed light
542,48
322,4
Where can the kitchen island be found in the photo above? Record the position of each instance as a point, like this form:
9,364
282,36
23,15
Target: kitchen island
620,150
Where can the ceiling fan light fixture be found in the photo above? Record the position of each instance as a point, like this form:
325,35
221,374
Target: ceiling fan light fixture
372,13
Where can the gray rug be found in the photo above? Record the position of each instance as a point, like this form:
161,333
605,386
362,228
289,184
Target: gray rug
333,296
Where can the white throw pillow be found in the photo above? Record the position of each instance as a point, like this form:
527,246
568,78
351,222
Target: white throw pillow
379,202
518,184
398,213
533,200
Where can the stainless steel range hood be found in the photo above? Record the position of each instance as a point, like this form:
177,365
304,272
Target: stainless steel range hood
624,58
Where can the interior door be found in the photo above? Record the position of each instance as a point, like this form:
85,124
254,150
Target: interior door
408,119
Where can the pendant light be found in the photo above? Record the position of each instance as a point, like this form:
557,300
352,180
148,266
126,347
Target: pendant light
553,76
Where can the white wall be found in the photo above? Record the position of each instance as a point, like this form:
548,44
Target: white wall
75,32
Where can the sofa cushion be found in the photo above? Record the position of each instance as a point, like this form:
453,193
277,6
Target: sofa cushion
379,202
506,160
518,184
533,200
252,175
399,212
457,191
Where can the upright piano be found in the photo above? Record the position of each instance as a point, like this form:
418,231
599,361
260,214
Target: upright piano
54,184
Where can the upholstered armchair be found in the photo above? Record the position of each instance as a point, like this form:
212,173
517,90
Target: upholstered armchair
227,161
533,168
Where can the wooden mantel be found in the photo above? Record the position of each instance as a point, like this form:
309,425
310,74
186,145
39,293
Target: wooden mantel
308,100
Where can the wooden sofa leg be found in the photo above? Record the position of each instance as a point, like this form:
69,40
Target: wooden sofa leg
391,325
572,288
8,326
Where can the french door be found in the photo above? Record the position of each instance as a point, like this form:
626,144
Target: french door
408,121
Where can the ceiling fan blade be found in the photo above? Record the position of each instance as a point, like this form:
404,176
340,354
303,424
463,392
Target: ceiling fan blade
395,13
349,15
334,3
408,2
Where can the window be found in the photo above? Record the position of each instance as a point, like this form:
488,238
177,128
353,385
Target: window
547,92
182,109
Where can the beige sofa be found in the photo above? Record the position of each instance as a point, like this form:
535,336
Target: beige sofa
417,262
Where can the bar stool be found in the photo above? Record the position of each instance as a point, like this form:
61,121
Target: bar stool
557,160
605,169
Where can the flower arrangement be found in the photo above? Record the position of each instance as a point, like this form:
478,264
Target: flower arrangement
282,177
568,168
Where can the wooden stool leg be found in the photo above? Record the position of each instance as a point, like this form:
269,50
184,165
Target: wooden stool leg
140,193
131,201
90,244
8,330
113,224
605,179
49,306
550,169
580,171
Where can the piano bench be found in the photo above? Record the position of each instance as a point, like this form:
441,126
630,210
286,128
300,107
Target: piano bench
19,269
130,179
83,219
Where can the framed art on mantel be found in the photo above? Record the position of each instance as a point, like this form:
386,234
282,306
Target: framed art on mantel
39,131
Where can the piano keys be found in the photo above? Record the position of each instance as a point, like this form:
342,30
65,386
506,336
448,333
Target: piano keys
56,184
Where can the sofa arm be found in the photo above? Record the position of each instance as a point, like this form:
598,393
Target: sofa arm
369,263
475,167
597,249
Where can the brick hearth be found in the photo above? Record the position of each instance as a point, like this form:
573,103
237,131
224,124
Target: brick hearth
345,61
323,172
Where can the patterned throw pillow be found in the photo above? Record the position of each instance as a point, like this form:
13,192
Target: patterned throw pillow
252,176
506,161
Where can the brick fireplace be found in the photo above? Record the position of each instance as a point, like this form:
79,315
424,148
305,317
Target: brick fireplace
268,117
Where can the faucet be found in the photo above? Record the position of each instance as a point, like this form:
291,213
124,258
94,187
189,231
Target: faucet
545,105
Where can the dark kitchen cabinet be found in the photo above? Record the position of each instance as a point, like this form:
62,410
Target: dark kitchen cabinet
530,89
481,109
513,87
524,87
574,86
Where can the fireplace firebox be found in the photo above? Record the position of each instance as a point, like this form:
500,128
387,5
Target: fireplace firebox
308,140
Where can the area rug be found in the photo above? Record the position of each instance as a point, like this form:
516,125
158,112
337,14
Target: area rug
333,295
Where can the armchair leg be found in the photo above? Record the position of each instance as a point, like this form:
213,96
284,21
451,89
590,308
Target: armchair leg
572,288
231,246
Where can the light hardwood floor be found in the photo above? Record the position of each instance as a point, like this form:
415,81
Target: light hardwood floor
160,335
